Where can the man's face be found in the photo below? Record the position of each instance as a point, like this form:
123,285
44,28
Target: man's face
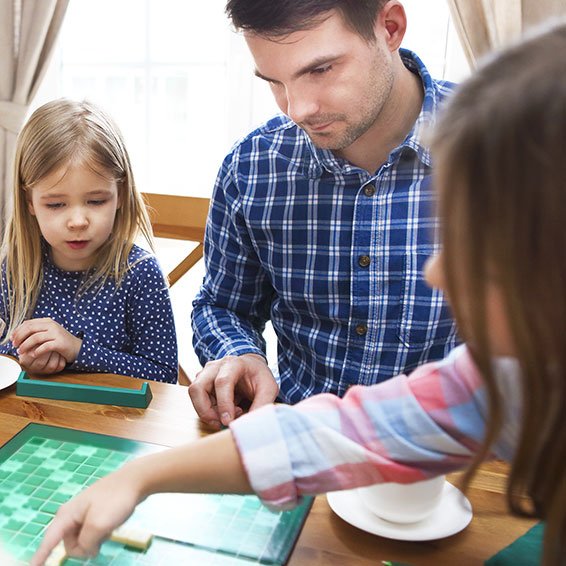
330,81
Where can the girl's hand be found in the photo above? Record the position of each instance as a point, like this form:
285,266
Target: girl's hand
88,519
39,336
209,465
52,362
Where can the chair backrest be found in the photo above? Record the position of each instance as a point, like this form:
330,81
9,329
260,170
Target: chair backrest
179,218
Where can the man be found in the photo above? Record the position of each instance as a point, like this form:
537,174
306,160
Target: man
321,219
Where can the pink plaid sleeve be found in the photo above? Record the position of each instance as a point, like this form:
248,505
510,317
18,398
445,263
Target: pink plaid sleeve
403,430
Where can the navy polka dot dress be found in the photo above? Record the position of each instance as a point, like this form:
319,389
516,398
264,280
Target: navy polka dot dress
127,331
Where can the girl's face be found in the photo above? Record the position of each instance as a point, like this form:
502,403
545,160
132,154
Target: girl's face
499,334
75,208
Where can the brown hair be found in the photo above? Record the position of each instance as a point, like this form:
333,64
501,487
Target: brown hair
60,132
500,150
282,17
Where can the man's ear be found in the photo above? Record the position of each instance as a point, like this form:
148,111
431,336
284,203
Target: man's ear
392,21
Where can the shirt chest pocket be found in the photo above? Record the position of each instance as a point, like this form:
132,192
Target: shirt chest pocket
425,317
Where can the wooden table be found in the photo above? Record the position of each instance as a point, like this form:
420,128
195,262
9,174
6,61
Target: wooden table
326,540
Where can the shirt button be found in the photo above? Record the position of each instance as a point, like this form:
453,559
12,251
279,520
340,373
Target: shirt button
369,190
361,330
364,260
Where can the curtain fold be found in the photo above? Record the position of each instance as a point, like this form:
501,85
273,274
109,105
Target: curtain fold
28,31
483,25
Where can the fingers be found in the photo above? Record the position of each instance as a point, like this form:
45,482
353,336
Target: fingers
41,336
202,395
212,392
266,393
217,388
87,520
55,363
59,364
87,541
49,363
80,540
57,530
29,327
36,344
49,542
224,385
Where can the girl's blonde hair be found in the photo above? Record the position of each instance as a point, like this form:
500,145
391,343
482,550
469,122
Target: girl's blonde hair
500,151
59,133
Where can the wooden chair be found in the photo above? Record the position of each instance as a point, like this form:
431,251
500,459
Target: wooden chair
179,218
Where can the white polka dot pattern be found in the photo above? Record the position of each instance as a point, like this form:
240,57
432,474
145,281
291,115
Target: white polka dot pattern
127,331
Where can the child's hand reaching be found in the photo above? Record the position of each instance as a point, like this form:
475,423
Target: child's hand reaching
88,519
44,346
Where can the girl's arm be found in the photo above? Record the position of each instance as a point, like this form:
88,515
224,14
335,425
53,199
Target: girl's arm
210,465
149,327
402,430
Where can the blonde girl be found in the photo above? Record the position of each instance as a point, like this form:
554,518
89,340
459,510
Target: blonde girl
77,292
500,157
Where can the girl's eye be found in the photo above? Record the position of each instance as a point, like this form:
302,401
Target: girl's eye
54,205
97,202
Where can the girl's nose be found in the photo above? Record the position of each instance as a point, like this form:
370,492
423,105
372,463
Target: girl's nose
77,219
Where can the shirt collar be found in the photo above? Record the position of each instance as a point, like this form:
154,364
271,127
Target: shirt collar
50,267
325,159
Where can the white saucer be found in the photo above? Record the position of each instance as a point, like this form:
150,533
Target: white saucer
452,515
9,371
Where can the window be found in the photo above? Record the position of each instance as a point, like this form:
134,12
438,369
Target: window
179,81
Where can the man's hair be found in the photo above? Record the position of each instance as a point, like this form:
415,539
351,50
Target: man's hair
500,170
282,17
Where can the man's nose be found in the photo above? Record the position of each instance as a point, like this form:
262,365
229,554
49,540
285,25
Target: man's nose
301,104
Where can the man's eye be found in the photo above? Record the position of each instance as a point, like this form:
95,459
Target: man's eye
321,70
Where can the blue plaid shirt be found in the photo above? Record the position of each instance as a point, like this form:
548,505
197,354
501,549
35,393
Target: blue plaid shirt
331,254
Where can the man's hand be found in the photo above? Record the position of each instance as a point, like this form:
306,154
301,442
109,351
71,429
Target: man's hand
222,384
52,362
38,337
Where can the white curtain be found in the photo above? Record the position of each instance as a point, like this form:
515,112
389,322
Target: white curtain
28,30
483,25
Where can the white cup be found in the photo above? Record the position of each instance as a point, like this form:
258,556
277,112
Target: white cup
403,503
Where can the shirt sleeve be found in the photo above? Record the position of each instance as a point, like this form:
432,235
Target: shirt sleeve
404,430
233,304
150,326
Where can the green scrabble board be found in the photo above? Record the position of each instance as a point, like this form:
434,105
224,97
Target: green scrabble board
44,466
